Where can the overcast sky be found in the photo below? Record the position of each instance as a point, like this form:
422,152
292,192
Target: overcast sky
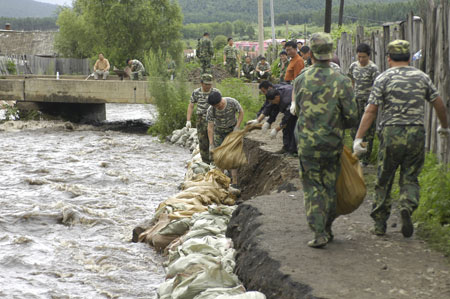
58,2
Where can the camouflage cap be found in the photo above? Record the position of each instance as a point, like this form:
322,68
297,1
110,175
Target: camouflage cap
322,46
398,47
207,78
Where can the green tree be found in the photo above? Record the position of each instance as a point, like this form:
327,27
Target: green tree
120,29
227,29
250,32
219,42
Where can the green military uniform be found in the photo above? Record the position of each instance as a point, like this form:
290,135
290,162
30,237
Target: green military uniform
265,68
248,71
402,92
283,69
137,70
308,62
205,53
224,120
231,54
200,98
326,108
363,76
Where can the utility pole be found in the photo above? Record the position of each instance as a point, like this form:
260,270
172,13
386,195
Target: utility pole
341,13
260,28
272,21
328,7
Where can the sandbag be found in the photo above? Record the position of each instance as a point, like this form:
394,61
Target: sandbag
248,295
230,154
350,185
215,293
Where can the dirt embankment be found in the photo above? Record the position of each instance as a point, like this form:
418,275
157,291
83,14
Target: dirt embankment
270,233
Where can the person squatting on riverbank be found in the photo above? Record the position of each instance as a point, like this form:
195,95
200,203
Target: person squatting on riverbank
363,73
222,121
205,52
231,57
264,87
101,67
402,91
326,107
263,69
280,100
200,97
248,69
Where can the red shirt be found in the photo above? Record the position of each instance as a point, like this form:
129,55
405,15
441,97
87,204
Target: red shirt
294,68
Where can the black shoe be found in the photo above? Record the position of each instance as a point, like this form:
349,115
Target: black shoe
407,226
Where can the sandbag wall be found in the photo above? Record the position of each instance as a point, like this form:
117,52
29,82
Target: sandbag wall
189,228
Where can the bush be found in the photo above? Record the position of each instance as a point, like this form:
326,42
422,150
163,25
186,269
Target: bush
170,97
219,42
11,67
234,88
433,214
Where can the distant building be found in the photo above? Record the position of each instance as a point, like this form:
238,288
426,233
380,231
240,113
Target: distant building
38,43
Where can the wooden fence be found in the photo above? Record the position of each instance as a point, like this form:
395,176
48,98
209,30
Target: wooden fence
31,64
431,36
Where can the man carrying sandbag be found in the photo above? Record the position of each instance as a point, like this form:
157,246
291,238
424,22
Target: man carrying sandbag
222,121
200,97
402,91
282,98
326,107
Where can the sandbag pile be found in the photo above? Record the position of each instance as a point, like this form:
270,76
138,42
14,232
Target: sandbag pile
189,228
185,138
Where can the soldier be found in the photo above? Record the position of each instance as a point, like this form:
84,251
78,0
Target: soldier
305,52
326,107
205,52
263,69
248,70
222,121
363,73
136,69
283,65
402,91
230,57
200,97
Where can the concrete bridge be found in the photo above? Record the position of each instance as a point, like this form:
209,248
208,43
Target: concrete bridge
72,97
75,98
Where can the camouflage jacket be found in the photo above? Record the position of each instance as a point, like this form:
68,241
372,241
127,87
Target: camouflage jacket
402,92
230,52
363,76
283,69
263,67
137,66
247,68
326,107
204,48
200,98
226,118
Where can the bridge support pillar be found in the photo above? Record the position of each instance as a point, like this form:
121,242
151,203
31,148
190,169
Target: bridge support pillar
74,112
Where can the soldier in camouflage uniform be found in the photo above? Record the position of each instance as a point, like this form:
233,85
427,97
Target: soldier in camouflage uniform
230,57
205,53
137,69
326,107
402,91
222,121
248,70
263,69
200,97
283,65
363,73
305,52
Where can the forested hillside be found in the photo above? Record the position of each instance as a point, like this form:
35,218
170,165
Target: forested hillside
26,8
204,11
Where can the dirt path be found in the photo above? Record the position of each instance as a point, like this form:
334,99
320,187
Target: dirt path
270,233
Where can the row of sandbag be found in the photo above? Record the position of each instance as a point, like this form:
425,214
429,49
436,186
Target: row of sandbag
185,137
190,229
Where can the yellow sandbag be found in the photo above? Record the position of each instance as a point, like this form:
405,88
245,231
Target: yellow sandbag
230,155
350,186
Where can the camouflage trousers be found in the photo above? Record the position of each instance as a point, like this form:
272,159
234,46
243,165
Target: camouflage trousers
404,147
220,134
319,177
139,75
370,134
231,66
206,65
202,134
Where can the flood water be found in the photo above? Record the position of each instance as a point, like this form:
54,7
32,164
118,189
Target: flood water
69,200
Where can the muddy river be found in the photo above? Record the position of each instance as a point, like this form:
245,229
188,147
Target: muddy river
69,199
